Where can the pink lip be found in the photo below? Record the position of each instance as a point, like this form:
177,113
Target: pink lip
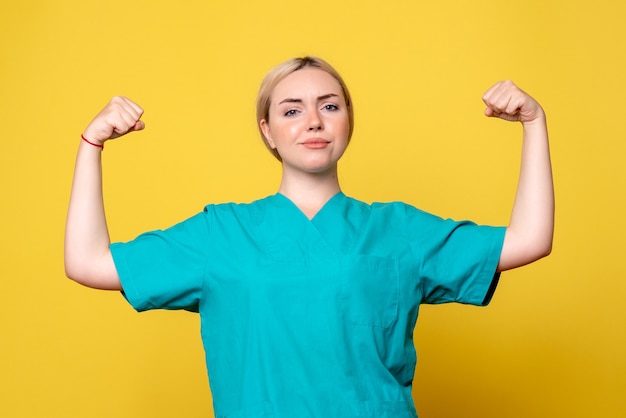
316,143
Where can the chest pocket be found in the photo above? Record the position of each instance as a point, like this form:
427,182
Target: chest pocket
369,290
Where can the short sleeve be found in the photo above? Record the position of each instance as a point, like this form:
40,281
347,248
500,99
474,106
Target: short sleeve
165,269
458,260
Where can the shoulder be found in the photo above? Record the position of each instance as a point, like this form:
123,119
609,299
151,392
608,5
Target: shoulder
396,218
247,211
393,210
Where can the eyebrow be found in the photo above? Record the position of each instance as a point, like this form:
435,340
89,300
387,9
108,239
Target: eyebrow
319,98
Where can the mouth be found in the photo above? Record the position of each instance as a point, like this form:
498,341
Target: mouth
316,143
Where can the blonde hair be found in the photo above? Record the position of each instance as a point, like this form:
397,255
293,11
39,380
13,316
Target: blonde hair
278,73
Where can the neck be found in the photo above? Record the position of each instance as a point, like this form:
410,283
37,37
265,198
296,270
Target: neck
309,191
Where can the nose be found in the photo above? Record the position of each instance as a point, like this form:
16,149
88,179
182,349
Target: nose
315,121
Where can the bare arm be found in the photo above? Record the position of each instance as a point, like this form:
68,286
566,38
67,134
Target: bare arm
88,258
531,228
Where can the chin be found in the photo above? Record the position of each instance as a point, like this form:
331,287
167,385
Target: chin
323,170
313,165
320,166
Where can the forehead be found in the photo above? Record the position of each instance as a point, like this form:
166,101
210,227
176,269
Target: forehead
306,82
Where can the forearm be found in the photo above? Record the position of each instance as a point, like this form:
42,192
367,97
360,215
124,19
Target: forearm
87,256
530,231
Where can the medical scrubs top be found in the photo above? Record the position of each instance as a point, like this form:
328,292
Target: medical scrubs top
310,318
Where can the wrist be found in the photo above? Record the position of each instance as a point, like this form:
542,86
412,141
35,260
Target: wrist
92,142
539,121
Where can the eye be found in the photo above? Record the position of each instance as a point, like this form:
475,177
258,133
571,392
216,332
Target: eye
331,107
291,112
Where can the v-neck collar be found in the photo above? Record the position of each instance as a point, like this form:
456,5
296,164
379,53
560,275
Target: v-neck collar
338,223
329,203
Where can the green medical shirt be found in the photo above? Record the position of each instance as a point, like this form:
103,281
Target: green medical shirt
310,318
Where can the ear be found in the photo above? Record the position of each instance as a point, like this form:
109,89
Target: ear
265,128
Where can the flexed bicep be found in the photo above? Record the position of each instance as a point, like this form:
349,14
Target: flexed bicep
88,258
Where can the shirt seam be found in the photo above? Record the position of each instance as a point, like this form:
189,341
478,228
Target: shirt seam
205,273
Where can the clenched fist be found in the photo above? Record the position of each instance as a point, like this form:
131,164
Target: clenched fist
507,101
119,117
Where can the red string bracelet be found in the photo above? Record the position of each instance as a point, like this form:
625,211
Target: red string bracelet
91,143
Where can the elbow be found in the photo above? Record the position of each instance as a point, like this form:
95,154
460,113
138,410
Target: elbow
79,272
75,272
70,269
544,250
539,249
97,274
544,243
75,268
522,249
548,248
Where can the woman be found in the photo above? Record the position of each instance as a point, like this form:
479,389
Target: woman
308,298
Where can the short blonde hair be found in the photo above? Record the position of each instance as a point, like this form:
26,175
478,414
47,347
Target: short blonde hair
278,73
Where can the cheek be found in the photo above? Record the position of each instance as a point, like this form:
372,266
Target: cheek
345,127
286,129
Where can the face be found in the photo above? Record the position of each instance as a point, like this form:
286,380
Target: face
308,121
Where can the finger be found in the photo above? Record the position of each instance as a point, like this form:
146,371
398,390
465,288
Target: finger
132,107
489,94
118,117
510,101
124,106
514,106
120,123
496,90
499,92
125,115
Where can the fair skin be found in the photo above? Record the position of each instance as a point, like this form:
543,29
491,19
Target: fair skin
531,227
308,126
88,258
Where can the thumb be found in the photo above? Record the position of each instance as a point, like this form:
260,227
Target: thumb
493,113
139,125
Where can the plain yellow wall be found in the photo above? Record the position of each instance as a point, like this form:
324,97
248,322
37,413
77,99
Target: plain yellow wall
553,342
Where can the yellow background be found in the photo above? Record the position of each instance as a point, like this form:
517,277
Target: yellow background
551,344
